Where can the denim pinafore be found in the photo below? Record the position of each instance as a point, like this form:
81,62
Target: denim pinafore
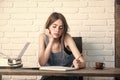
59,59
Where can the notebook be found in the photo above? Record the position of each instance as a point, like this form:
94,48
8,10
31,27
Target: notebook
57,68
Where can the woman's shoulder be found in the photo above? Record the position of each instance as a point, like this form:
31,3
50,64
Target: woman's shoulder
67,36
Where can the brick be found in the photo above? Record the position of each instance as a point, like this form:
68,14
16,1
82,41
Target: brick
94,58
75,4
110,28
40,22
74,22
67,10
21,40
40,10
94,47
109,34
20,22
109,3
99,40
84,28
110,64
101,16
16,0
81,29
1,10
12,46
93,34
4,40
74,34
99,52
49,4
28,64
96,3
109,47
4,16
26,28
6,28
32,59
1,34
76,16
23,16
30,53
41,0
101,3
111,22
99,28
3,22
33,35
6,4
110,58
16,34
94,22
33,46
44,16
74,28
92,10
6,51
15,10
109,10
25,4
66,0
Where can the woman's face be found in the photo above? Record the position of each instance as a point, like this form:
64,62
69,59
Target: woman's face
56,28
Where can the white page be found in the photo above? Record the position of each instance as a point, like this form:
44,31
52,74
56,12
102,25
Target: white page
57,68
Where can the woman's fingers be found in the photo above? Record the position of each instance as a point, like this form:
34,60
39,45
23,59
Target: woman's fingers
77,63
47,32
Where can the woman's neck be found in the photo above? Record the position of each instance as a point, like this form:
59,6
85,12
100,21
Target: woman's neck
57,40
56,46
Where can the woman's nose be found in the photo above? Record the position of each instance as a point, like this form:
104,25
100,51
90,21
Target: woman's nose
57,29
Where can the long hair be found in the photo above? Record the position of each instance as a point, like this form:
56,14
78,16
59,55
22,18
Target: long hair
55,16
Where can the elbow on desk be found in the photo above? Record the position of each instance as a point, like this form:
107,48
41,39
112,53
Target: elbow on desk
41,63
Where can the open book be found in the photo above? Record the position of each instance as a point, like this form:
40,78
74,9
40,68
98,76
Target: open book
57,68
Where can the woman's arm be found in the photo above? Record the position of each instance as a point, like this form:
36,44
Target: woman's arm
78,62
44,51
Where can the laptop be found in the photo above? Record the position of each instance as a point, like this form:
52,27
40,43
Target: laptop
4,60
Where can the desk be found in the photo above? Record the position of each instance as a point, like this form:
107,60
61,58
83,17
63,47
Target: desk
107,72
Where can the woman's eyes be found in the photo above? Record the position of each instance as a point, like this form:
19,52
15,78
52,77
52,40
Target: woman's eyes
60,27
54,26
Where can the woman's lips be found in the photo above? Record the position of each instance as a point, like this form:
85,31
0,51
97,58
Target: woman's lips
56,34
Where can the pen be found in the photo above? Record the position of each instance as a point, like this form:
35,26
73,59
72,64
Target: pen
76,59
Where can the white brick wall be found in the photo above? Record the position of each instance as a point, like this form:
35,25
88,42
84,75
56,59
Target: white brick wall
22,21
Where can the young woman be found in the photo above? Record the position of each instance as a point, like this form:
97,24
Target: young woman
57,48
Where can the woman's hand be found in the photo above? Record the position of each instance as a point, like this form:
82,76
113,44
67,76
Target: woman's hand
78,64
48,33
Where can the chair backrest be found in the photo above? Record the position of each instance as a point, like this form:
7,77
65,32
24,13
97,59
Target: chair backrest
78,41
